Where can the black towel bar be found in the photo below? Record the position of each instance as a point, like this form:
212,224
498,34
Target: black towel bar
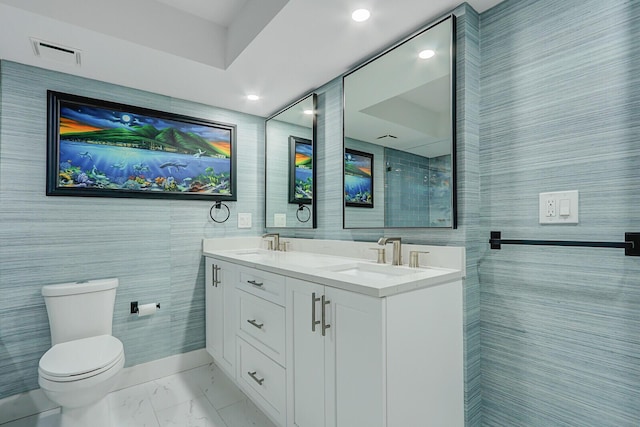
631,244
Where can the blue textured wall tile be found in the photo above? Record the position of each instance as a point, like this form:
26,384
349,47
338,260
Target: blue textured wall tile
559,111
152,246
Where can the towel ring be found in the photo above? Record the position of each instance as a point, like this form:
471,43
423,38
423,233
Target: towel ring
218,206
301,208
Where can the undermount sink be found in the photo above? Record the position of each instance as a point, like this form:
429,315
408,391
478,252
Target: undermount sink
254,254
373,271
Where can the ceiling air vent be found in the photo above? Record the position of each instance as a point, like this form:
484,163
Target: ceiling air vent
56,52
387,136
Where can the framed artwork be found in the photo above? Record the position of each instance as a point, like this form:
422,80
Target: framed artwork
358,178
300,170
106,149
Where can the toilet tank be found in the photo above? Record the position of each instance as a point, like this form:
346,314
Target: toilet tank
81,309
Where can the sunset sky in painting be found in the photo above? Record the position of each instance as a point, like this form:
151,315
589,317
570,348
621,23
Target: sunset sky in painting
223,146
68,125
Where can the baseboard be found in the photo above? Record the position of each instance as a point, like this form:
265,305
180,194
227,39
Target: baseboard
34,401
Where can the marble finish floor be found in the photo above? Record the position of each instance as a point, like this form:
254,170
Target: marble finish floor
200,397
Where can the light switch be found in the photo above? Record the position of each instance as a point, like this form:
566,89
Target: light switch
244,220
565,207
560,207
279,220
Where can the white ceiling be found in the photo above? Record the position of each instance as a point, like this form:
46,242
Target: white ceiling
214,51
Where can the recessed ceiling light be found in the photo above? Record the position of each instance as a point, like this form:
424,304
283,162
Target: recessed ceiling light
426,54
309,112
360,15
253,97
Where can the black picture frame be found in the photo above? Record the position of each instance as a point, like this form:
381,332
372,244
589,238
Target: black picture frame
300,170
358,178
105,149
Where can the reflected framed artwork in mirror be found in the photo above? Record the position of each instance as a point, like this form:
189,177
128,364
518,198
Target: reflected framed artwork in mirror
300,170
290,172
358,179
400,107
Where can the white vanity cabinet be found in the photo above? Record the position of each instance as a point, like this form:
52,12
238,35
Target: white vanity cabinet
382,362
220,303
335,344
314,347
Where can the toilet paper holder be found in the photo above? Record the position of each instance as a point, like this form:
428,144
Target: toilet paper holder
134,307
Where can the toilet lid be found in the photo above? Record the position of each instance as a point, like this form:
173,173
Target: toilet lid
81,358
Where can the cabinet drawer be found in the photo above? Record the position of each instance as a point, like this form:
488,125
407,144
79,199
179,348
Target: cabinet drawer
263,284
262,324
262,379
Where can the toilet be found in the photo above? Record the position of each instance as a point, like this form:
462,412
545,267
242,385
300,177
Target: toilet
83,364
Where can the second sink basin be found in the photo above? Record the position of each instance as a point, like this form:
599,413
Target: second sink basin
373,271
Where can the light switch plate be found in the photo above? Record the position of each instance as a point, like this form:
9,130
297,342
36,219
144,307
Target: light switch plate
244,220
279,220
559,207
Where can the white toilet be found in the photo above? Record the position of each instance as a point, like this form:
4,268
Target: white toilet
83,364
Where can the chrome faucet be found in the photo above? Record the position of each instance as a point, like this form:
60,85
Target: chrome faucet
397,248
275,245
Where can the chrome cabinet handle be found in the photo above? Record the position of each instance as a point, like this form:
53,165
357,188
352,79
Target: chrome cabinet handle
214,272
256,324
254,283
324,322
314,322
256,379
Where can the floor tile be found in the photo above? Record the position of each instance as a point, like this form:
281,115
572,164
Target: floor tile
44,419
244,414
131,407
200,397
172,390
194,413
215,384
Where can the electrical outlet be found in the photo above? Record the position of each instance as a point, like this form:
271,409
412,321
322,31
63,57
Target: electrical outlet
560,207
551,207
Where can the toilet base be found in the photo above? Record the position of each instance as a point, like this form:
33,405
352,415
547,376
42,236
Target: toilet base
95,415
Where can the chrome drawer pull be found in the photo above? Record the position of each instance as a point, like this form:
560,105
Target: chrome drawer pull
314,322
254,283
256,324
256,379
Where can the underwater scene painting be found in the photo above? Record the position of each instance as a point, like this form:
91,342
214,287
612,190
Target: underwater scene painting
130,150
358,178
302,171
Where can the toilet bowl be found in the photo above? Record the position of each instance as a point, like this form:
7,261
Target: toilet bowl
83,364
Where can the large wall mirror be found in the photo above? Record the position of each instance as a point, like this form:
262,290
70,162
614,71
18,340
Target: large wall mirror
290,170
399,135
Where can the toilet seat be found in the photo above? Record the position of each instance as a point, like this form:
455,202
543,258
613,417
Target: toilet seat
80,359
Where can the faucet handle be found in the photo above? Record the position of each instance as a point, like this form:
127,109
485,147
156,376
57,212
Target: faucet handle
284,245
382,259
413,258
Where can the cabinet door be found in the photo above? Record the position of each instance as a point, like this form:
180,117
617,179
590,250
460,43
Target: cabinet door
354,360
220,278
305,355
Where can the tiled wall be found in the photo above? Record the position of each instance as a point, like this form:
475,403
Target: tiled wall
407,201
560,110
440,191
152,246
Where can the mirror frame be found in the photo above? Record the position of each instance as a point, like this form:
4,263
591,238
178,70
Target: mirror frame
314,151
453,110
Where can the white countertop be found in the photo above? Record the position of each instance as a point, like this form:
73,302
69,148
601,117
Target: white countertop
351,274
